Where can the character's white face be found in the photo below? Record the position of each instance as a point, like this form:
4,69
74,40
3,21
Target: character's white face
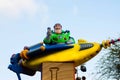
58,29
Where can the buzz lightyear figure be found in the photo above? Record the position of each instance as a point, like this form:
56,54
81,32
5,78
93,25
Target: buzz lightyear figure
58,35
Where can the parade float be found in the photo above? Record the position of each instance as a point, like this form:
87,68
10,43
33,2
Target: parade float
30,59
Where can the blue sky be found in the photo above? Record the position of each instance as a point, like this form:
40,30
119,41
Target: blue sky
24,22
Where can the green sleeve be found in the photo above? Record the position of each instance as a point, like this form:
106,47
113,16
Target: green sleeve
66,32
47,40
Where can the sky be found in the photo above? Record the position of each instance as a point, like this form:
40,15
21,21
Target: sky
24,22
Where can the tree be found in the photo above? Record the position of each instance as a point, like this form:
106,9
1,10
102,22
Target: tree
108,67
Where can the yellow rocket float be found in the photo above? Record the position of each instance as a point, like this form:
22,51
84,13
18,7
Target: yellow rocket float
28,61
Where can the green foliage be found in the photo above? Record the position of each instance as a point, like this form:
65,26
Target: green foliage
108,66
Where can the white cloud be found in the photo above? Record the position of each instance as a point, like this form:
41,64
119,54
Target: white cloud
15,8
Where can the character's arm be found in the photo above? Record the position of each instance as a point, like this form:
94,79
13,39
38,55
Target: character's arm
67,31
47,39
71,39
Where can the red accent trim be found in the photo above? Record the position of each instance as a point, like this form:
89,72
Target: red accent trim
112,41
118,39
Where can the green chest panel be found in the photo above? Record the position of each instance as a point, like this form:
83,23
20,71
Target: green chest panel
60,38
